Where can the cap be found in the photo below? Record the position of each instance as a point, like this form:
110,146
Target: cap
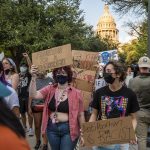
4,91
144,62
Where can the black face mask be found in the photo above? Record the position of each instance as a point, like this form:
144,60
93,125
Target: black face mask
7,71
61,79
108,78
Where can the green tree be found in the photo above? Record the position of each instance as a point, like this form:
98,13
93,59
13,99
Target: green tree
137,47
125,6
33,25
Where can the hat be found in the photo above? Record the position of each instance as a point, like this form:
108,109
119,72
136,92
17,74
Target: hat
11,62
144,62
4,91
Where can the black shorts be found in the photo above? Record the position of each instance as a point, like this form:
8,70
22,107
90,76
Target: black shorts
23,104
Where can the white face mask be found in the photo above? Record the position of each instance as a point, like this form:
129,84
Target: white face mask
23,69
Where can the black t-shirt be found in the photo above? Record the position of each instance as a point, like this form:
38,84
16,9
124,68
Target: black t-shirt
114,104
62,107
23,90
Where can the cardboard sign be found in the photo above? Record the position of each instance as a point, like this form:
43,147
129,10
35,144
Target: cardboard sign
107,132
84,59
87,97
83,85
83,74
83,79
99,83
53,58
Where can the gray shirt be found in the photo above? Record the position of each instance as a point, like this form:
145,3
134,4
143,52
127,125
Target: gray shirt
141,86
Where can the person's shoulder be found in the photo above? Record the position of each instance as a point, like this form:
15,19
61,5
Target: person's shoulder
6,141
129,90
15,75
11,89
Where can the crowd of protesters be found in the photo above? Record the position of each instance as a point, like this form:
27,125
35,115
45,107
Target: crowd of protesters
57,109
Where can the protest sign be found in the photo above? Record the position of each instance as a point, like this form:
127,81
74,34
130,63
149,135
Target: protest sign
83,79
107,132
53,58
87,97
106,56
99,83
84,59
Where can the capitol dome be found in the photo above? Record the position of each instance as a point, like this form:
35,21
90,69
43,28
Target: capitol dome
106,27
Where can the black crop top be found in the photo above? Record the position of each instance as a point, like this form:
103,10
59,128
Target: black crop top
62,107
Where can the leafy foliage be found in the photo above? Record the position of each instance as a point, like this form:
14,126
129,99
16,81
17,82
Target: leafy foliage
33,25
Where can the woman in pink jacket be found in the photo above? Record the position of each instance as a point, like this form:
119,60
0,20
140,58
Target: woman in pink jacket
63,112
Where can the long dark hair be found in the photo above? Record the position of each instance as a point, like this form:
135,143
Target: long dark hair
8,119
2,77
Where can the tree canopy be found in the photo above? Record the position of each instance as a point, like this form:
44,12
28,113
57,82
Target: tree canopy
33,25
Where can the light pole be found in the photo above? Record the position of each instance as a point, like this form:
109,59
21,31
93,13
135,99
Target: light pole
148,52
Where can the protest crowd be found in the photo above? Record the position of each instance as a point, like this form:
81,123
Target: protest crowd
87,100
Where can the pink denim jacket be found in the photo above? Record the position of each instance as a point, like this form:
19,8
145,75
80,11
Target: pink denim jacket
75,107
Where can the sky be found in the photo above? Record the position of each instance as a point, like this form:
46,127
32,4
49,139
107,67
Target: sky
93,9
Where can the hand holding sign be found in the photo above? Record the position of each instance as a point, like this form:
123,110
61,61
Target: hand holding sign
34,71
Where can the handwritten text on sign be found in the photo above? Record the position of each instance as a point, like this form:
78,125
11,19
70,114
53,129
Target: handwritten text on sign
53,58
106,132
84,59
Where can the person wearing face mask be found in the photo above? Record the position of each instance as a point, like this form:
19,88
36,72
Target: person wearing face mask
23,93
114,100
141,86
63,111
11,73
41,81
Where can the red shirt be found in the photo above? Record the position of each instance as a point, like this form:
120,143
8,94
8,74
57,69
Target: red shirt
75,107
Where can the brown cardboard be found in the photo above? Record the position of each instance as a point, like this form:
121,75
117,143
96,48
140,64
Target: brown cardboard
53,58
83,74
107,132
84,59
83,85
87,98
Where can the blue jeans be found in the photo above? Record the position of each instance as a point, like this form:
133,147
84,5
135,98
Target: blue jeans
58,135
113,147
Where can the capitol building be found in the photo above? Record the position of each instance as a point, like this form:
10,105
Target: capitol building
106,27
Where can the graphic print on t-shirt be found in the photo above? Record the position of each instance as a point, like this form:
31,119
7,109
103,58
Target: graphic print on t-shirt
112,107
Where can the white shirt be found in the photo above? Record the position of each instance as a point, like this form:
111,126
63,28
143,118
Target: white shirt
12,100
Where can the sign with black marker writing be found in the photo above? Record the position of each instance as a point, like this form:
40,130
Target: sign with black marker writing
85,60
107,132
53,58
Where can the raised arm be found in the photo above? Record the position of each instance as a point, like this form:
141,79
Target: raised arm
26,56
32,89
